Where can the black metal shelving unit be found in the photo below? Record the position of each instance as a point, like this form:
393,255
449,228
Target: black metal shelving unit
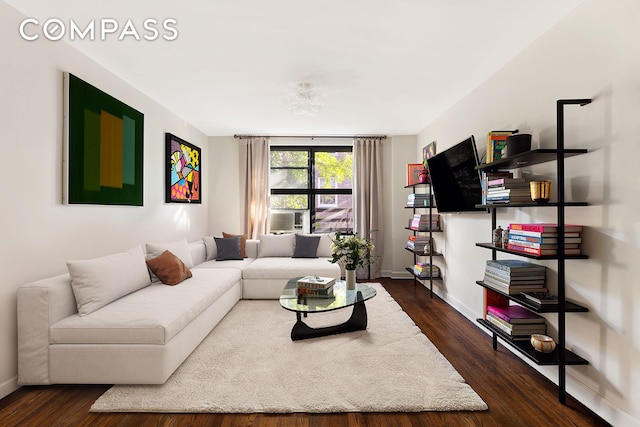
418,254
560,356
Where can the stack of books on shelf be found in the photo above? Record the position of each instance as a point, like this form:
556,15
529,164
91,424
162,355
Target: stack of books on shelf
316,287
541,298
420,222
418,200
513,276
542,239
496,142
425,270
516,321
420,244
485,177
507,190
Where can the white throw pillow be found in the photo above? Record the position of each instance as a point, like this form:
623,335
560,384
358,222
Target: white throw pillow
324,248
99,281
212,248
179,248
276,245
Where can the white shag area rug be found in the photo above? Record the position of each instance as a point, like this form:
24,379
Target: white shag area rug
248,364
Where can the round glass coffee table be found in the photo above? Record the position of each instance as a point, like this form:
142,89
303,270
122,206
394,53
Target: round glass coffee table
342,298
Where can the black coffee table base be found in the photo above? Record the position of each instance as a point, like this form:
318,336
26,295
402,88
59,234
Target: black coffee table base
357,322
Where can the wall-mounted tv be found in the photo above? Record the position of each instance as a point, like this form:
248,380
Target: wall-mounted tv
455,181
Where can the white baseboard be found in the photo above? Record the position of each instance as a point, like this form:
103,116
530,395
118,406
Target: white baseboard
397,275
8,387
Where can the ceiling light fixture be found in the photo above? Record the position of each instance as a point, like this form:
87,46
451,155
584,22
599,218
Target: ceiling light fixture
305,99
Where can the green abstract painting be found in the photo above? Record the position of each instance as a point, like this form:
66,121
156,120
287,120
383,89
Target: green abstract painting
104,147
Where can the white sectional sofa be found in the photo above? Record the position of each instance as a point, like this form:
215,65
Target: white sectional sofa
140,334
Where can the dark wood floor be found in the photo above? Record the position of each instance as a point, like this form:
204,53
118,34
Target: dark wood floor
517,395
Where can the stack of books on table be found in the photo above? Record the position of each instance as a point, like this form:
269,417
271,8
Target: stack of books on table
507,190
419,200
315,286
516,321
420,244
425,270
512,276
542,239
420,222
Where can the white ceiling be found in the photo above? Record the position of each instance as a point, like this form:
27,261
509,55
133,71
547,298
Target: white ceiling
388,67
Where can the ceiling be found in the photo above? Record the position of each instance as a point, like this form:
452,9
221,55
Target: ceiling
386,67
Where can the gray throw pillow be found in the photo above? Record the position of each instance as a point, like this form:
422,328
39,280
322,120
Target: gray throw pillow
228,248
306,246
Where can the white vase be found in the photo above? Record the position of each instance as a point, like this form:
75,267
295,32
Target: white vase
350,276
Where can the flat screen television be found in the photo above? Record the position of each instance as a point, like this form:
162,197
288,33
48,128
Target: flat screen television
455,181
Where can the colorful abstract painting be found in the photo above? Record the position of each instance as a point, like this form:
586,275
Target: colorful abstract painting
104,147
184,184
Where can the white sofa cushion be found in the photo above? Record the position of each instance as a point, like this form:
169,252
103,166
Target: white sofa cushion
179,248
99,281
276,245
239,264
287,268
152,315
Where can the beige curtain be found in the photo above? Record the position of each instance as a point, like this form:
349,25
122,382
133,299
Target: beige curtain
367,159
254,178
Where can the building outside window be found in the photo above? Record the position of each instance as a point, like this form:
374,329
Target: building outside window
311,189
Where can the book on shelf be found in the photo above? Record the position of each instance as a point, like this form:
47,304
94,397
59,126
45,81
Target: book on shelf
419,244
511,289
424,270
506,182
315,282
418,200
518,334
538,234
422,222
536,245
543,252
485,177
517,330
496,142
541,240
545,227
513,195
516,275
522,280
516,266
520,328
515,314
540,298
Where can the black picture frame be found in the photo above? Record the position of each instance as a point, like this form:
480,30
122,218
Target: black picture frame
183,178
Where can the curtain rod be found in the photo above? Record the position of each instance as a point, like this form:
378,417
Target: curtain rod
310,136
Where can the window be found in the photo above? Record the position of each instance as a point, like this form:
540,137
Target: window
315,184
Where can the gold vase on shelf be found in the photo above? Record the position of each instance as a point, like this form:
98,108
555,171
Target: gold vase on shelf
540,191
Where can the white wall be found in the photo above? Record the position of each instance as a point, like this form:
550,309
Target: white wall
592,53
39,233
398,151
